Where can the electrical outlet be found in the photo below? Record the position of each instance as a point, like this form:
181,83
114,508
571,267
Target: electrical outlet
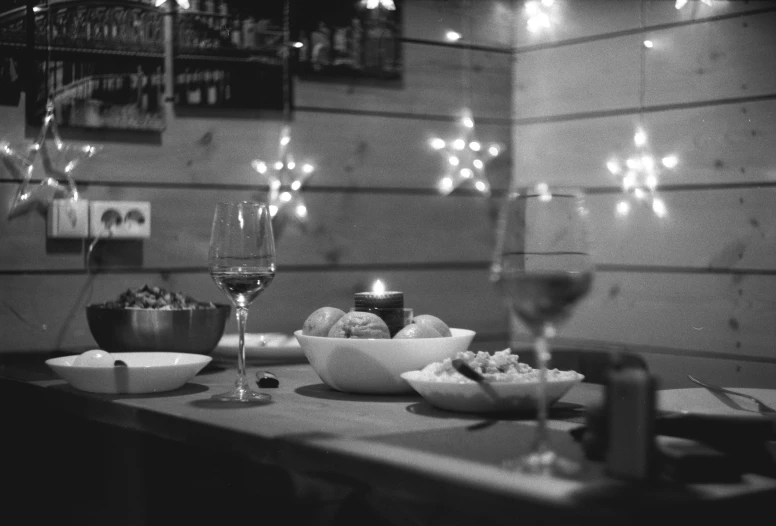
120,219
68,218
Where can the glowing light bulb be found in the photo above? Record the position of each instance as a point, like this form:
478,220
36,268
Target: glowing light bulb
446,185
640,138
475,146
296,185
543,190
298,45
493,150
477,164
453,36
659,207
651,182
308,168
670,161
278,165
291,165
623,208
649,44
437,143
481,186
466,173
613,167
629,181
468,122
273,210
680,4
301,211
548,3
285,197
285,140
639,193
532,8
453,160
459,144
648,162
632,163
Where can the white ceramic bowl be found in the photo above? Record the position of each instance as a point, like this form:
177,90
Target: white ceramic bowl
146,372
495,397
375,366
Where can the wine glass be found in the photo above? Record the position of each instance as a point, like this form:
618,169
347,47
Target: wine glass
541,267
242,263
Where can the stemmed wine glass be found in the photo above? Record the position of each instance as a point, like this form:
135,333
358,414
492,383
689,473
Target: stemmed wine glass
541,267
242,263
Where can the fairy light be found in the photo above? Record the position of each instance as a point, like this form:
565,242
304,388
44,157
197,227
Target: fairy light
681,3
538,14
183,4
453,36
287,177
376,4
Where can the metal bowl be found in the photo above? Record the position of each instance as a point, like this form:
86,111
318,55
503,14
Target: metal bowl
151,330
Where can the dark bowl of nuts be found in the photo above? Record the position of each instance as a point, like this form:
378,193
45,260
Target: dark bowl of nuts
151,319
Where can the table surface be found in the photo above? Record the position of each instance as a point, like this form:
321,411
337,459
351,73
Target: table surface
396,441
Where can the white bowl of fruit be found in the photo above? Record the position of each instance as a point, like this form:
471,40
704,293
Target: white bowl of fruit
353,352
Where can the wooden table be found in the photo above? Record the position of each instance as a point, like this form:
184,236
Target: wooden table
394,457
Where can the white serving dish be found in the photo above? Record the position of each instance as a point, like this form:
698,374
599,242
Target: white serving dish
495,397
375,366
146,372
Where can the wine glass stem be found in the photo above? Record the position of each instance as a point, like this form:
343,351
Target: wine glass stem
242,377
542,349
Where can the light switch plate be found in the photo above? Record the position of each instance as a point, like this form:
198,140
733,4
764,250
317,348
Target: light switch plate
68,219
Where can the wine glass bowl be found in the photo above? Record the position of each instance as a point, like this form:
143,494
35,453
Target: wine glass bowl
241,260
542,267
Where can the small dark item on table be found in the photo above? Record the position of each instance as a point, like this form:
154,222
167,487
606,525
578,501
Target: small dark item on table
388,305
266,379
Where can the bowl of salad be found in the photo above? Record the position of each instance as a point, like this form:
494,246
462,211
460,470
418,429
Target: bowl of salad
152,319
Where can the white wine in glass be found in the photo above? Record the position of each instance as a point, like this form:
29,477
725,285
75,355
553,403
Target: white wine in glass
242,263
542,267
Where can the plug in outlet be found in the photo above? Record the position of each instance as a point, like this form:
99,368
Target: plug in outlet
68,218
120,219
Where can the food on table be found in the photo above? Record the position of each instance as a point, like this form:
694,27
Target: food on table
414,330
320,322
501,366
434,322
156,298
361,325
94,358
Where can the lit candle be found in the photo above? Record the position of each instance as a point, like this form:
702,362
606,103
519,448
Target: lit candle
389,305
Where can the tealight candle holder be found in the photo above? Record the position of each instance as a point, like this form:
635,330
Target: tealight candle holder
389,305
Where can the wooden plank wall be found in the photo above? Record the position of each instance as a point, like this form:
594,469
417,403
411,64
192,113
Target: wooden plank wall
695,290
374,211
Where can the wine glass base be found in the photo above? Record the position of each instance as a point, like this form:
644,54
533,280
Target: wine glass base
243,396
543,463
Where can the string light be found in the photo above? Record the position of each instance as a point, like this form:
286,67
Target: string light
58,164
184,4
375,4
681,3
538,14
453,36
465,158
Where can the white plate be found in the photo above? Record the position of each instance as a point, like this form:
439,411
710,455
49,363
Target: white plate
495,397
266,346
146,372
702,401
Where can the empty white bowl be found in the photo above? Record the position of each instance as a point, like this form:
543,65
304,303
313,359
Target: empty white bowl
146,372
495,397
375,366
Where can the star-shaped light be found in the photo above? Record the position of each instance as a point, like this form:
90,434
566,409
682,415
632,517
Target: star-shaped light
285,177
681,3
640,175
58,164
181,3
465,158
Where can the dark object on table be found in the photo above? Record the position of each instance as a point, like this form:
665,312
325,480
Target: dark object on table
690,461
266,379
194,331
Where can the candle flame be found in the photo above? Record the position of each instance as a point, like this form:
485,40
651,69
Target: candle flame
378,287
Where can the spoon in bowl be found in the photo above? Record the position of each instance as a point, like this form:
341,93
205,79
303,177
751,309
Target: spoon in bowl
466,370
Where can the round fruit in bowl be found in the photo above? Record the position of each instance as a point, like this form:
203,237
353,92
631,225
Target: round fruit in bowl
152,319
320,322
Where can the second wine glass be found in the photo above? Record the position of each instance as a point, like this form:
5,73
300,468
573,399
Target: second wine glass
242,263
542,267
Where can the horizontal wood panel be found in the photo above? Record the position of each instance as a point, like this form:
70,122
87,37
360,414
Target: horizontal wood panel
31,321
716,144
699,62
346,150
342,228
703,313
